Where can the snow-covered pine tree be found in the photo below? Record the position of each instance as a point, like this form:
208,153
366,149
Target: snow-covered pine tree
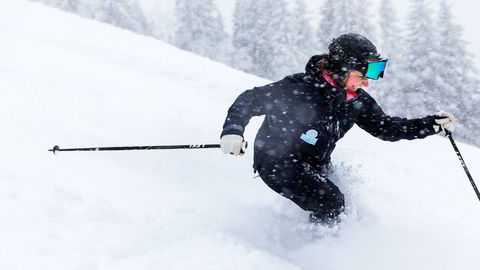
282,37
345,16
419,79
346,13
185,17
362,18
125,14
304,43
262,46
390,36
390,32
200,28
326,29
70,5
451,56
67,5
277,38
162,20
243,34
458,92
252,33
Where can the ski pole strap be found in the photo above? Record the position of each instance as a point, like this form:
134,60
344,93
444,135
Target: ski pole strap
56,148
470,178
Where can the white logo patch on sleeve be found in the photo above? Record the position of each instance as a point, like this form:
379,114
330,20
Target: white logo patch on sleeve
310,136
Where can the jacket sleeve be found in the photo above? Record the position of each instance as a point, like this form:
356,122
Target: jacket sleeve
253,102
388,128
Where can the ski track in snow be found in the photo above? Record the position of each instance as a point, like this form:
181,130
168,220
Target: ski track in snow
74,82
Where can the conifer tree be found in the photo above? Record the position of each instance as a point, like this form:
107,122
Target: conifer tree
200,28
362,18
161,19
457,85
243,34
67,5
262,46
345,16
304,43
252,33
280,33
326,29
388,89
125,14
70,5
277,40
420,80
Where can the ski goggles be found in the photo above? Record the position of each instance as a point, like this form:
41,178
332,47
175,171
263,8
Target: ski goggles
375,69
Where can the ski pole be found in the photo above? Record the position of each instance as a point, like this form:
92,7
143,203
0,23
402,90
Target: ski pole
57,148
449,135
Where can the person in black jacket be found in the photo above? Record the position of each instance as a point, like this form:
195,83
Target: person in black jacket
307,113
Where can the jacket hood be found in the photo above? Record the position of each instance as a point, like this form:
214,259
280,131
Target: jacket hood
314,65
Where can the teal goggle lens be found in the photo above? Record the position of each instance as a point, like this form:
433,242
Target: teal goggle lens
376,69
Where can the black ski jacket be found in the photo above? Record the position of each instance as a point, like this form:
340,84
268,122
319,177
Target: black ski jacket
306,116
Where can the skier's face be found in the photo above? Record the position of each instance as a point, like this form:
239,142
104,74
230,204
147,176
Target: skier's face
355,80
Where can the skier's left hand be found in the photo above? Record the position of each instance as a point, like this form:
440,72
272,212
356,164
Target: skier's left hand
444,121
233,145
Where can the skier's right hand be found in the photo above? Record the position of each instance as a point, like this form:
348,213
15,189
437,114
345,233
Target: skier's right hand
233,145
444,122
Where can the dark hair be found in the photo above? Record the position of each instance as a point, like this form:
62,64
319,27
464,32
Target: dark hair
318,64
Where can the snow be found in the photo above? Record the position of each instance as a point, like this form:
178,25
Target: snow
75,82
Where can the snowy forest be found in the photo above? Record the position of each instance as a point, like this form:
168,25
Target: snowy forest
429,66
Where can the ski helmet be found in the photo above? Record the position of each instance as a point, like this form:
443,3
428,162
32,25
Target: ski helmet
350,52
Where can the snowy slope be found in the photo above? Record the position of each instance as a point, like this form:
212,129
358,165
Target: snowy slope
74,82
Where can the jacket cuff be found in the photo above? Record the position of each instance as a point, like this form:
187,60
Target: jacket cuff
430,122
232,130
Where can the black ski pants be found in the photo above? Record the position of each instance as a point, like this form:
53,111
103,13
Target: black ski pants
307,186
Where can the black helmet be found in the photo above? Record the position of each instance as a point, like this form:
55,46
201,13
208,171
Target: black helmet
350,51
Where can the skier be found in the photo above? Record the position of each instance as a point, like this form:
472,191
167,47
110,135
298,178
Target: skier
307,113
